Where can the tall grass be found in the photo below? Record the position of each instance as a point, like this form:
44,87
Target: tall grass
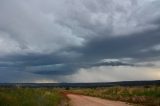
29,97
147,96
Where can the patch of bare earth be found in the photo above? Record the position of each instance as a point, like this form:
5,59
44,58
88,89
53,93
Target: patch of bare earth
81,100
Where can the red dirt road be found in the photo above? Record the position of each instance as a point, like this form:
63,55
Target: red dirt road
80,100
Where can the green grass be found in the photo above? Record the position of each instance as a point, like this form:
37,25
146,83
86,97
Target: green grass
147,96
29,97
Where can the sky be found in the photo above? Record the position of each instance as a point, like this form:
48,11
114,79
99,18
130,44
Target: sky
47,41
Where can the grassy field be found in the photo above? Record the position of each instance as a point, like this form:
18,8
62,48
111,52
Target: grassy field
30,97
147,96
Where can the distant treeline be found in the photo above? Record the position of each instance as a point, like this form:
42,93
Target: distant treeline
82,85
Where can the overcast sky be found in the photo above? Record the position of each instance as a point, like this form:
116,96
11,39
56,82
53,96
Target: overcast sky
79,40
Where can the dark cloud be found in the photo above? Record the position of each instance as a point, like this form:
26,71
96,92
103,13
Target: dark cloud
116,47
69,69
94,51
123,46
58,38
118,63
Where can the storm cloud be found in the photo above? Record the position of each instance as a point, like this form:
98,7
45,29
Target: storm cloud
55,40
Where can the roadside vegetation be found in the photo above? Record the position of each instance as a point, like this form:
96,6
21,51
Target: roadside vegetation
30,97
145,96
